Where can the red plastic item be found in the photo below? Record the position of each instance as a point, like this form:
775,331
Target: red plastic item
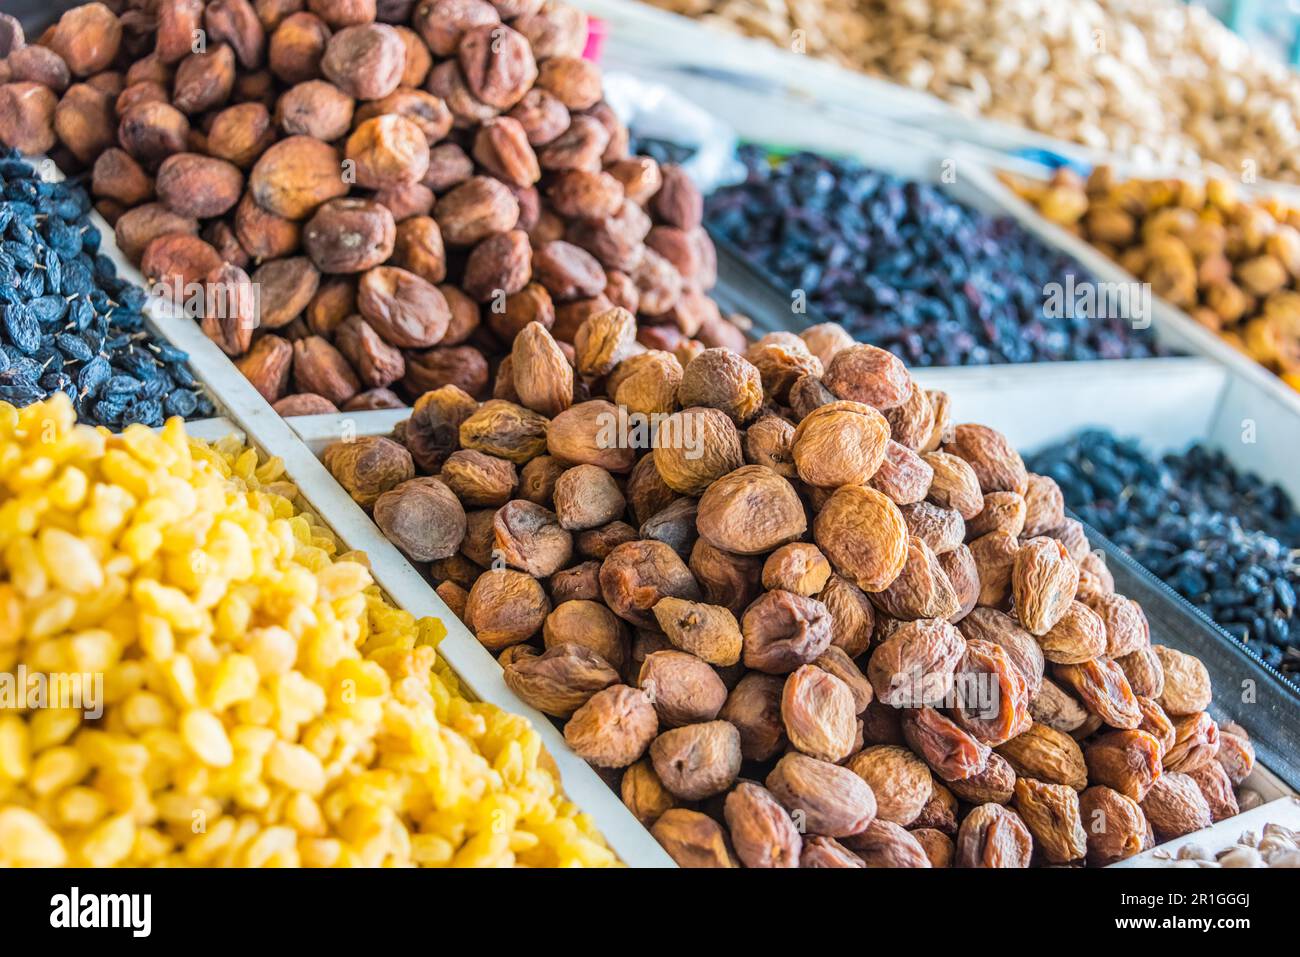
596,33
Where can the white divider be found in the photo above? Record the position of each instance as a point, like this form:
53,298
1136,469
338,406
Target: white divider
246,411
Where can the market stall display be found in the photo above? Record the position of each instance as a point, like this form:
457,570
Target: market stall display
904,266
765,586
1157,82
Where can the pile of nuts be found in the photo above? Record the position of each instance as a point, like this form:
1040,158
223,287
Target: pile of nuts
1278,846
364,201
1155,81
1231,261
793,612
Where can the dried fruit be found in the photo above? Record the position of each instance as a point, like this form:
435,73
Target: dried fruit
636,575
992,699
1216,788
587,434
993,836
842,443
1056,709
561,679
1044,506
1046,754
1145,674
1114,825
885,844
709,632
695,447
863,534
903,475
951,753
368,466
1051,812
821,851
997,465
1044,580
995,558
867,374
920,590
614,728
692,839
753,510
995,627
1079,636
761,830
915,665
423,517
995,784
349,235
1236,753
818,712
852,615
722,379
899,779
1128,761
783,630
830,800
644,794
1195,743
954,484
1175,806
697,761
1103,689
1187,682
754,708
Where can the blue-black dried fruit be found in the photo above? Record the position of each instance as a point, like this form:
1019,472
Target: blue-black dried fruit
905,267
1224,539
